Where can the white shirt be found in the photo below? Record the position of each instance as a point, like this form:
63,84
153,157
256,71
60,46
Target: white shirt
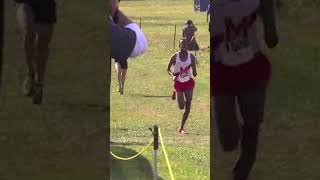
182,68
234,22
141,45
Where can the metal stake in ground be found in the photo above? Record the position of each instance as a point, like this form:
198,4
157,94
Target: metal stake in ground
155,151
174,36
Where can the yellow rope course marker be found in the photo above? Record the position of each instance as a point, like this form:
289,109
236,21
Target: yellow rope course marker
144,149
132,157
166,155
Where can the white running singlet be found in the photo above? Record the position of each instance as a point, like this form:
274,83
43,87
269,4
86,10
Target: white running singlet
234,31
182,68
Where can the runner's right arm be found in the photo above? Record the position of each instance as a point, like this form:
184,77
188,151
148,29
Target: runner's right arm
171,62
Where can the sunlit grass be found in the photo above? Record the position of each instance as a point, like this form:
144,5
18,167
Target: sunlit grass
132,114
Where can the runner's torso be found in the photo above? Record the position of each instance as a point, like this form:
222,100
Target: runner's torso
235,34
188,32
183,68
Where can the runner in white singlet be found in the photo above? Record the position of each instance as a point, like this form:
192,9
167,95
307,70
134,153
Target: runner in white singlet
183,62
239,75
182,68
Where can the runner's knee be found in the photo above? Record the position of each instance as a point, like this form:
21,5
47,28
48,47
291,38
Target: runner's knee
29,36
181,105
188,105
229,142
43,42
229,135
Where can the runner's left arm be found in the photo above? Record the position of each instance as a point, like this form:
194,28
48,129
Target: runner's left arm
194,27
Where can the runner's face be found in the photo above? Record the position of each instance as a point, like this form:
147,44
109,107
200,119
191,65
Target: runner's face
183,45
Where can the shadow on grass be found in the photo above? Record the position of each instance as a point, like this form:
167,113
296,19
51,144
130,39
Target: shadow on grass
83,106
138,168
149,96
118,144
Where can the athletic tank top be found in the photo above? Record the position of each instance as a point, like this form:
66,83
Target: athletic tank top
182,68
234,31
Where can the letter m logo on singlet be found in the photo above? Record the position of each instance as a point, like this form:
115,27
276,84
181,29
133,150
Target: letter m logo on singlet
240,30
184,71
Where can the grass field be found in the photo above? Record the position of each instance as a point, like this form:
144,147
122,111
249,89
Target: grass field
65,138
289,146
147,98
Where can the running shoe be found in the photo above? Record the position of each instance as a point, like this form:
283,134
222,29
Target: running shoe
27,86
37,94
182,131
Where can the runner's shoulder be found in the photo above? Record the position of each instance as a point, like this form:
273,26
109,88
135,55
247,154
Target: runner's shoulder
173,58
192,57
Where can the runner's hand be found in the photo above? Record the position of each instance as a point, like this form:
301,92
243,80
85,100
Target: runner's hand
174,78
195,74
